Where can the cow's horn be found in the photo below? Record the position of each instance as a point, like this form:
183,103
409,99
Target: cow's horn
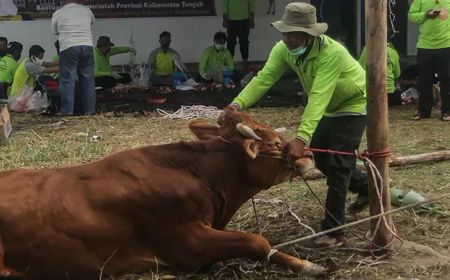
247,131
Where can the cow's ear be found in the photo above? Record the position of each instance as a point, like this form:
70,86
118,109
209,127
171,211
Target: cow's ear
203,130
251,147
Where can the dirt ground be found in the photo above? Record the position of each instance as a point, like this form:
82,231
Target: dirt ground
424,252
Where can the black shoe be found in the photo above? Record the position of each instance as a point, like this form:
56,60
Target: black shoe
361,203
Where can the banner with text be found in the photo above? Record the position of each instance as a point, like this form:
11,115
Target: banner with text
39,9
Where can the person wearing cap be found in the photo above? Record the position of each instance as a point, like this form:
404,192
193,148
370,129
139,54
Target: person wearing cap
215,59
433,54
30,68
104,76
238,19
8,66
393,72
163,61
335,116
3,46
73,25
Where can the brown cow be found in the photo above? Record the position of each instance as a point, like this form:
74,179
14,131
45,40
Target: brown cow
162,205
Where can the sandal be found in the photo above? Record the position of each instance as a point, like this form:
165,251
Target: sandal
445,118
416,117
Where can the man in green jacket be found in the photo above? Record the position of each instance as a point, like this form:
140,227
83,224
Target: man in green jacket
335,117
8,66
393,72
216,59
104,76
433,54
238,19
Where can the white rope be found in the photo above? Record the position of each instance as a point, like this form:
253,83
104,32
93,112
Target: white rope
378,185
192,113
271,253
392,3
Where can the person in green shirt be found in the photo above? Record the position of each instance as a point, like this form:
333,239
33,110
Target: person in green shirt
433,54
30,68
393,72
163,62
104,76
238,19
8,67
333,119
215,60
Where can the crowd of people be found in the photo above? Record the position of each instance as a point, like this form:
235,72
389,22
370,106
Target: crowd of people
334,81
78,64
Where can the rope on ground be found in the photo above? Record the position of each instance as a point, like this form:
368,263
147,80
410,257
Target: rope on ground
283,204
192,113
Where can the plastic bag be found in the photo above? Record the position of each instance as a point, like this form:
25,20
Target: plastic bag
29,101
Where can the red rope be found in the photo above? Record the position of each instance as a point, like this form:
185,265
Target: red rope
361,155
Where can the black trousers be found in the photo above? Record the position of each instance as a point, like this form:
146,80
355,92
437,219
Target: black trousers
431,61
341,134
238,29
394,99
108,82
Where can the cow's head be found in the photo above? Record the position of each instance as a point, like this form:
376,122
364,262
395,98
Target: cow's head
255,139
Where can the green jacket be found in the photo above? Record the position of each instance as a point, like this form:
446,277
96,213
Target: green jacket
102,66
333,80
8,67
213,59
433,33
238,9
393,66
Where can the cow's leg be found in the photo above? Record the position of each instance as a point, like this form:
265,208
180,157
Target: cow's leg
215,245
6,272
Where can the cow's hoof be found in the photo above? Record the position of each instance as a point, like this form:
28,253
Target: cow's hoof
314,270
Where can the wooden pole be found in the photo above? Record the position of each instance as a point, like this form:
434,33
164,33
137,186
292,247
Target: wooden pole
377,112
439,156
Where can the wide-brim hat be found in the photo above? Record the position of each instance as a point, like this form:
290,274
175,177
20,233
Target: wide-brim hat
301,17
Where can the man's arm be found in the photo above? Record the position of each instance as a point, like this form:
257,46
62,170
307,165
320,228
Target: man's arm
415,13
265,79
51,69
396,64
54,25
50,63
329,70
151,61
120,50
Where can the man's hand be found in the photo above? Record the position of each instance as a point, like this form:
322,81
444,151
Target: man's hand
233,107
432,14
133,51
294,150
252,24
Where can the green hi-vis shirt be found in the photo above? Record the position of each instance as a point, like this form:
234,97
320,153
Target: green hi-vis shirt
333,80
434,33
215,60
393,66
102,66
164,64
25,75
8,67
238,9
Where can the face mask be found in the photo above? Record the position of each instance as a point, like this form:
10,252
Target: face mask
218,46
298,51
36,60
